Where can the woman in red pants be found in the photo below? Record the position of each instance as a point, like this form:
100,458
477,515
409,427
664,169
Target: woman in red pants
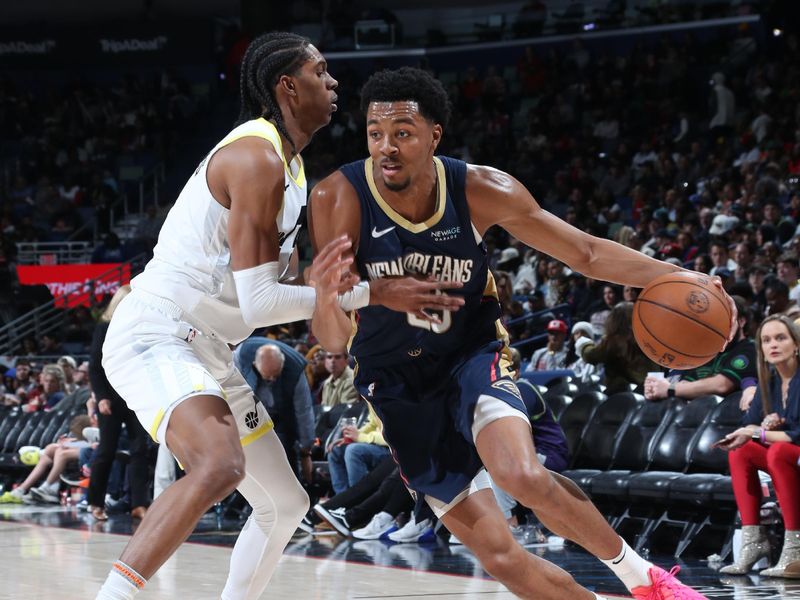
769,442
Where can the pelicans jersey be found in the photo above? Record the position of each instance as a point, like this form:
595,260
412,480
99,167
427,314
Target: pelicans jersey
191,262
424,380
446,247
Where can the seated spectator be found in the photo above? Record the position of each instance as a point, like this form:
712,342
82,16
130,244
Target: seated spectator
356,453
575,363
769,441
276,374
788,272
53,460
366,510
23,385
316,373
600,309
339,387
81,392
68,366
49,392
776,296
554,354
622,361
732,370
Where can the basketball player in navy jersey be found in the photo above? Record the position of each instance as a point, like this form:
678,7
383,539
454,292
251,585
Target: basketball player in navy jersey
441,388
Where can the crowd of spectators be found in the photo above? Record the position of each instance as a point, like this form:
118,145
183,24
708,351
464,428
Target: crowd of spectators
63,151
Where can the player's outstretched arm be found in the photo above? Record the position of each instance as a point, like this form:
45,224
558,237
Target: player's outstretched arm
496,198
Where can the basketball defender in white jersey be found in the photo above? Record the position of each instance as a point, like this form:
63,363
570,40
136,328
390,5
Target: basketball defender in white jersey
217,273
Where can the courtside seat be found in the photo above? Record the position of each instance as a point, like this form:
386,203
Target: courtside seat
633,450
577,416
557,403
671,454
28,430
709,465
10,441
601,437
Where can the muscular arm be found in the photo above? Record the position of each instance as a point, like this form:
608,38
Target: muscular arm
333,211
496,198
247,177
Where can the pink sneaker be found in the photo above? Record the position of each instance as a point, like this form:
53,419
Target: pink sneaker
665,587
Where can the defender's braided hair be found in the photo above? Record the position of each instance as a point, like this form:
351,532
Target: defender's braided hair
267,58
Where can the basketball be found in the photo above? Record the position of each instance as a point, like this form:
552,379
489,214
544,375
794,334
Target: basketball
681,320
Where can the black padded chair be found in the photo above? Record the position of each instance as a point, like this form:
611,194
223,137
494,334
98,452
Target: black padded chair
691,496
10,442
601,437
633,450
576,417
29,430
557,403
649,491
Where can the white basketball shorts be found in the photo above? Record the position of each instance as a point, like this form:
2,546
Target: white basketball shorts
155,356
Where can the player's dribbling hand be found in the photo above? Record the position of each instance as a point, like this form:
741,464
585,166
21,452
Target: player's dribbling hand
734,313
329,272
416,296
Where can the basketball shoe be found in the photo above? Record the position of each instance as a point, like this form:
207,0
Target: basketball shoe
665,586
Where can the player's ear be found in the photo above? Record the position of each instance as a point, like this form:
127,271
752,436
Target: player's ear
286,83
437,135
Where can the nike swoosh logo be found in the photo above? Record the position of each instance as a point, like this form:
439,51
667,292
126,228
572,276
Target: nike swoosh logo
377,234
286,187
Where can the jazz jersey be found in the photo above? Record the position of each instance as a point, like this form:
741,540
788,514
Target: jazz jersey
446,247
191,261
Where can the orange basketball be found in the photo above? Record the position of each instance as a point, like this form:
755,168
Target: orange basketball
681,320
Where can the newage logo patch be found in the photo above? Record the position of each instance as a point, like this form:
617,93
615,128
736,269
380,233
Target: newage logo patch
442,235
133,45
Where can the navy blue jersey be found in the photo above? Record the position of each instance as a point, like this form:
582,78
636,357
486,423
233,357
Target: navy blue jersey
445,246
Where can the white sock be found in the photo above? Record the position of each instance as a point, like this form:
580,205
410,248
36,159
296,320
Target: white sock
631,568
122,583
50,487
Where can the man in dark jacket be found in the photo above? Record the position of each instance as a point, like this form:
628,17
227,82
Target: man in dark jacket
276,373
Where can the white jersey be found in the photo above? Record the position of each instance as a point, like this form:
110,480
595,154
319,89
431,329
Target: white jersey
191,263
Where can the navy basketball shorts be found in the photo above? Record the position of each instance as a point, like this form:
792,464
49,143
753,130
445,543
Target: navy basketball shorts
431,414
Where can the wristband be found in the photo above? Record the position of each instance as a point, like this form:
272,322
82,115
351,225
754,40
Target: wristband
671,390
756,435
763,436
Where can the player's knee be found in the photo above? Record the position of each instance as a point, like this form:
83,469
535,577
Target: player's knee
499,556
221,475
525,481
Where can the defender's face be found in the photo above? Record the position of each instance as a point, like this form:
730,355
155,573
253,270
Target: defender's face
401,142
316,88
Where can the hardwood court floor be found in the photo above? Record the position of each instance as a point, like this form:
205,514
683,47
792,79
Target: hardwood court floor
55,553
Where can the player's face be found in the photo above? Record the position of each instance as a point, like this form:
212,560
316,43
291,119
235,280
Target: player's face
316,89
401,142
776,343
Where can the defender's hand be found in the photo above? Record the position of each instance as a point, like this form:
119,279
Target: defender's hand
329,272
416,296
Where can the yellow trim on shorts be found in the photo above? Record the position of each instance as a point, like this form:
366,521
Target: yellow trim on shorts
156,424
254,435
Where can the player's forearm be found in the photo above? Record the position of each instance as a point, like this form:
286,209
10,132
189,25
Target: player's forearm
609,261
331,326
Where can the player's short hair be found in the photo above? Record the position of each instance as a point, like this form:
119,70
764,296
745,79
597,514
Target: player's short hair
409,84
267,58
